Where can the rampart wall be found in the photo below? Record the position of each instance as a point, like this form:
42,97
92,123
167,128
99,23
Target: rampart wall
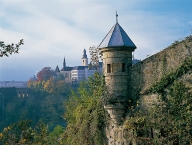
147,72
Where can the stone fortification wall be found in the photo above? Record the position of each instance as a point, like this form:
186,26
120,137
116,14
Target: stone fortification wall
147,72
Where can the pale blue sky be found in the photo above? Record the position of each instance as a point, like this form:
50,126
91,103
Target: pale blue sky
54,28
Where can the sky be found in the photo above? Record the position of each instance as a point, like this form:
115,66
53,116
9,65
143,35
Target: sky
52,29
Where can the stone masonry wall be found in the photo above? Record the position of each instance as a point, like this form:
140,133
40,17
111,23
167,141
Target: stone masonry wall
117,80
147,72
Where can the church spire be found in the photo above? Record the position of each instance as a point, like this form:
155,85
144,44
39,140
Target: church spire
84,59
64,63
84,54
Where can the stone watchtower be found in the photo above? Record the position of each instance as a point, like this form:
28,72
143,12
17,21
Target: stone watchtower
116,51
84,59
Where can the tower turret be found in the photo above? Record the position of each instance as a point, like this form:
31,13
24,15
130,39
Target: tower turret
116,50
84,59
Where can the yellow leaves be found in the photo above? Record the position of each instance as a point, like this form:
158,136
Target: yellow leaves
6,129
22,141
1,135
47,86
61,142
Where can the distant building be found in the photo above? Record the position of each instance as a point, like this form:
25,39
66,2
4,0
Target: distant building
134,61
79,73
16,84
89,71
66,71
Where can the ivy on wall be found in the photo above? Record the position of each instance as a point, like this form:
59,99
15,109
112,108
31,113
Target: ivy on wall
169,78
167,122
160,64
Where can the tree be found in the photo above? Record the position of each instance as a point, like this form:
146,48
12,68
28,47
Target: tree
22,133
45,74
60,77
94,53
10,48
85,115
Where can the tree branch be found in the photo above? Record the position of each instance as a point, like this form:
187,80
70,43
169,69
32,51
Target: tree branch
7,50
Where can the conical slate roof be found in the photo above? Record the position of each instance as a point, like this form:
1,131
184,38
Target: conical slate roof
84,54
117,37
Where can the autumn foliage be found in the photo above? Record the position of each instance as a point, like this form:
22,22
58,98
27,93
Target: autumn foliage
45,74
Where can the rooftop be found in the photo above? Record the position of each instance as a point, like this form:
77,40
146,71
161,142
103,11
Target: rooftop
117,37
67,69
79,68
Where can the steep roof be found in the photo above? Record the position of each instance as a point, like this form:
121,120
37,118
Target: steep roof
117,37
57,69
79,68
67,68
84,54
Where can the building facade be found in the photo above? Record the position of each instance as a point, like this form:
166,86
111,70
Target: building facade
78,74
16,84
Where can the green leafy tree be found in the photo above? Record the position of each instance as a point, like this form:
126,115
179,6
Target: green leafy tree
62,88
56,135
60,77
7,50
85,115
23,133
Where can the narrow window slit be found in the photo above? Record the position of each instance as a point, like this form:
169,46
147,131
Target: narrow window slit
123,67
108,68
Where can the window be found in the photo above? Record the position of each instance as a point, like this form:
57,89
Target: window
123,67
108,68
